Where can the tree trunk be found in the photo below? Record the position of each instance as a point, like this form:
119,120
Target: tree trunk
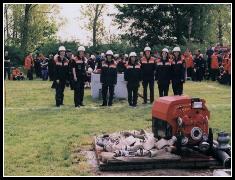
95,25
177,25
7,29
201,26
220,30
15,19
25,29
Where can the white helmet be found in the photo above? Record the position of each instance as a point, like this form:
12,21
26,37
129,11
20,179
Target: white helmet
176,49
116,55
90,70
126,55
62,48
165,50
102,54
147,49
132,54
92,56
109,52
81,48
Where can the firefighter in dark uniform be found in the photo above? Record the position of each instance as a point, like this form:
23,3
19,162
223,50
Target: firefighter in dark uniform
61,75
79,76
132,75
147,70
178,72
199,66
163,73
108,78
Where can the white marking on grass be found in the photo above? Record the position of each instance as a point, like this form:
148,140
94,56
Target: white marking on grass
214,87
72,107
219,105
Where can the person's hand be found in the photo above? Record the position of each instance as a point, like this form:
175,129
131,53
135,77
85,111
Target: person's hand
57,81
75,79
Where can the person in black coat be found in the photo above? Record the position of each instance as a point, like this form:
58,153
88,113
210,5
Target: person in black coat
199,66
61,75
178,72
37,65
79,76
132,75
108,78
163,73
147,69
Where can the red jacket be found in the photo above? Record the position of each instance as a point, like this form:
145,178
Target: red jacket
214,62
189,61
28,62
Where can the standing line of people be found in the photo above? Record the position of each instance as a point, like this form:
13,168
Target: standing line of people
74,70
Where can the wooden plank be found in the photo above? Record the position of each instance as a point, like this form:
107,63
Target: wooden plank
166,161
159,165
164,157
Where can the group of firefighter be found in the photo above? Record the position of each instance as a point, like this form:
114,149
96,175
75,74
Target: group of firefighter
68,69
38,64
147,69
216,67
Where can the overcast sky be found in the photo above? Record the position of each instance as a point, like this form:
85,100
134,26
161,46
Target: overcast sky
72,29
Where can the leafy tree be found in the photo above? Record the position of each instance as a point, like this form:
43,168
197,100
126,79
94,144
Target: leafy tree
94,23
169,24
29,25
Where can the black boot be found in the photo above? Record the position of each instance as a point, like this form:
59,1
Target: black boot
104,104
110,104
62,100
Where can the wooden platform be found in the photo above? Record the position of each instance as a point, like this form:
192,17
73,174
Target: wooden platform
192,160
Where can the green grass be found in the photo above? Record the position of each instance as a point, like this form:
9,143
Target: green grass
42,140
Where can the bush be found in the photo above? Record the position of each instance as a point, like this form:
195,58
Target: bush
16,55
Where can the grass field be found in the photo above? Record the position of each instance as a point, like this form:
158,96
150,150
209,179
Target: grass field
40,139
